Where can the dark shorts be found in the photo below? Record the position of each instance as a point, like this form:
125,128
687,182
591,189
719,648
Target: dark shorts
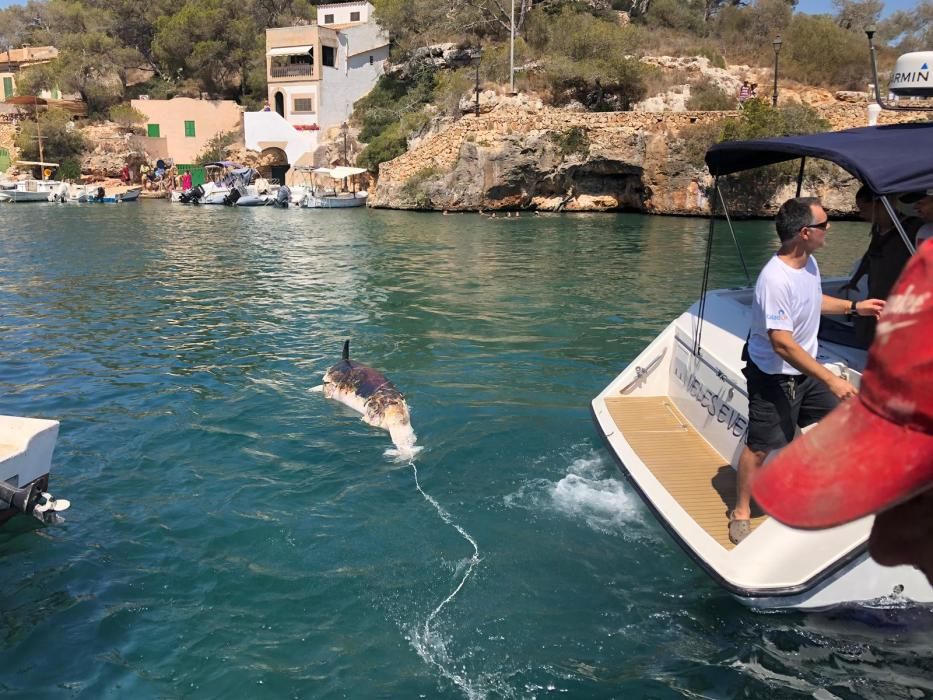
780,403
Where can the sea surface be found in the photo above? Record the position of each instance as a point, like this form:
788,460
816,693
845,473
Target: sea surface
235,535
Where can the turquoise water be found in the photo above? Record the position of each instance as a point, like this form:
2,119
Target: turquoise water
234,535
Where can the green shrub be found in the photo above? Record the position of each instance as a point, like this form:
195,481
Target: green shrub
675,14
697,138
60,138
707,97
760,120
126,116
383,147
450,87
572,142
840,61
214,149
389,100
587,59
69,169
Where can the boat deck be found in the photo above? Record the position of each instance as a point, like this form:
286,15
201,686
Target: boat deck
700,479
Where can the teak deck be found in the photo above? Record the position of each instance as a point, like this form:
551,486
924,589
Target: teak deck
695,474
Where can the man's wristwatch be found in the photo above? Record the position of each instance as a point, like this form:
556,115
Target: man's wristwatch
852,310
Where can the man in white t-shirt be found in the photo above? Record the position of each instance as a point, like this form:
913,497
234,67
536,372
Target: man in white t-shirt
787,387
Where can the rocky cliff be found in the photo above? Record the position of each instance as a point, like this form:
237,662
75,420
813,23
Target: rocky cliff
525,156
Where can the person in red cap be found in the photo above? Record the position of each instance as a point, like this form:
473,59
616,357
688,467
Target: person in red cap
873,454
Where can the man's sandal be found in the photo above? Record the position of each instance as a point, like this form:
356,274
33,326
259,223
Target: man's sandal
739,530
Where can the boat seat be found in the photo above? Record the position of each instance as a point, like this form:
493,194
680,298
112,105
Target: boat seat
700,479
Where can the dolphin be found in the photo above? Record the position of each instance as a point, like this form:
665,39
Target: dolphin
367,391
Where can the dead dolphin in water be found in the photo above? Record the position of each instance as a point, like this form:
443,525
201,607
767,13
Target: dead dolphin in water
367,391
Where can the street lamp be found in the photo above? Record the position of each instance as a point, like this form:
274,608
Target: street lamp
477,55
344,128
777,48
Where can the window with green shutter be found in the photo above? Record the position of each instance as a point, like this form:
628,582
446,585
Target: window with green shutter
7,88
189,129
152,131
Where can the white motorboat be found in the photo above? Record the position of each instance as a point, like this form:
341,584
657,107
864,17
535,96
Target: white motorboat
95,194
31,191
328,197
676,417
26,446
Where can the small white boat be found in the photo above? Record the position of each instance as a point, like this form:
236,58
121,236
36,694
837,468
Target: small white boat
317,197
96,194
31,191
675,418
26,446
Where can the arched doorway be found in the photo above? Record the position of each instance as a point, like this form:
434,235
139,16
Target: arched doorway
274,164
280,104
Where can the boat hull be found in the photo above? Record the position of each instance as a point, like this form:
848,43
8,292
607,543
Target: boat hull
336,202
675,421
26,447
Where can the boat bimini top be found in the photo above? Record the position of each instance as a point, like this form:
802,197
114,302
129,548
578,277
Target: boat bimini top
889,159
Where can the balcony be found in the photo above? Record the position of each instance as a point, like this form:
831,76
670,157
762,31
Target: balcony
297,70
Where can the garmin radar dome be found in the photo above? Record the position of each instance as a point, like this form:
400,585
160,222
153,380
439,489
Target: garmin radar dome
912,76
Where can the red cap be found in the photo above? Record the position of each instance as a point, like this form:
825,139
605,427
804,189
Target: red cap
876,450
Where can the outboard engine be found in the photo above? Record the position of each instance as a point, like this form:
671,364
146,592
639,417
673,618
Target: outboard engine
192,196
231,199
29,500
101,194
283,197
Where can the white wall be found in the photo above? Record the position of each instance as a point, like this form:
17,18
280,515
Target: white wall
342,12
353,78
263,130
289,92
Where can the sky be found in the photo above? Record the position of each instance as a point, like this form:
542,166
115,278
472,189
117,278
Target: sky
818,7
811,6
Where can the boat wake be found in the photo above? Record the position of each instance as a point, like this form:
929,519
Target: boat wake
427,642
588,491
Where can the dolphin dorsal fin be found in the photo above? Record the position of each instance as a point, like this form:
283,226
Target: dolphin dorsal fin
346,349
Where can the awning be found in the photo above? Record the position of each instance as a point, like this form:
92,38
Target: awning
36,162
889,159
289,50
340,172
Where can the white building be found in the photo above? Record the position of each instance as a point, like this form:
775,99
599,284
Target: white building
314,74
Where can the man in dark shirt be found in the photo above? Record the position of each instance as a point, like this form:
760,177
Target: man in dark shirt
885,258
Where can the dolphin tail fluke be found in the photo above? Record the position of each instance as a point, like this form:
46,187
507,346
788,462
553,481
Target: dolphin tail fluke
346,349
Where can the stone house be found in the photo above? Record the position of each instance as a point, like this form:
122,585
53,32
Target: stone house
181,127
314,75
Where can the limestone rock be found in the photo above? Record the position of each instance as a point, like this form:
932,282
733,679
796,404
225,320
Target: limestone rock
437,57
851,96
555,160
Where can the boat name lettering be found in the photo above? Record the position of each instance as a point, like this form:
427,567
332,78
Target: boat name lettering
714,404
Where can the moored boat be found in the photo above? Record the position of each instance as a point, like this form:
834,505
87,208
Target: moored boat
675,418
26,446
318,197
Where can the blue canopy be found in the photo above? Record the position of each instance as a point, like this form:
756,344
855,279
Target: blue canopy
889,159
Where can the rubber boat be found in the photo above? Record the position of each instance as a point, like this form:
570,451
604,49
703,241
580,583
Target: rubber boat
675,418
26,446
96,194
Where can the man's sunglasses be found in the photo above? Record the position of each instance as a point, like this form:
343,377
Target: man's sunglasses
822,225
